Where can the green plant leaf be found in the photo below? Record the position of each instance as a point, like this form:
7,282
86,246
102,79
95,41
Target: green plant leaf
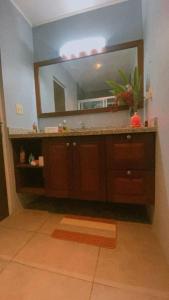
124,77
116,87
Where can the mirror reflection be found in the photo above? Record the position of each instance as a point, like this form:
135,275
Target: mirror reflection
81,84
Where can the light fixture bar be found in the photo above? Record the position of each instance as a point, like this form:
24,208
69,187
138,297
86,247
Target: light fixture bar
82,47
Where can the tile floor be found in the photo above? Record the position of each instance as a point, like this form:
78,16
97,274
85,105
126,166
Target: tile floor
33,265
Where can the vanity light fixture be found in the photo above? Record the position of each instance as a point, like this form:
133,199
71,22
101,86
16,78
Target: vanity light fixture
98,66
82,47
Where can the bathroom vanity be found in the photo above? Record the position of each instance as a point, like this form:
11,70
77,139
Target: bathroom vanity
111,164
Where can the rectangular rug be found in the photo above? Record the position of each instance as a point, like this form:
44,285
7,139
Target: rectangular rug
86,230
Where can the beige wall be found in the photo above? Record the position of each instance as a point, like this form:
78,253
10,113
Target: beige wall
156,39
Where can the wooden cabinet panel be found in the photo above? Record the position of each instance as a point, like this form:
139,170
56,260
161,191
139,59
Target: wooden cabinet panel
57,168
89,169
131,186
130,151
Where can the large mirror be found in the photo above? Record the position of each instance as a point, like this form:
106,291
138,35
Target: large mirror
67,87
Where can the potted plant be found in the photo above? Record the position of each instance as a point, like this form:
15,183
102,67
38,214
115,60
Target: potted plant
129,91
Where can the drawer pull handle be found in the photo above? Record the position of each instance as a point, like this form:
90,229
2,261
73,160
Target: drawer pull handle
67,145
74,144
129,137
128,173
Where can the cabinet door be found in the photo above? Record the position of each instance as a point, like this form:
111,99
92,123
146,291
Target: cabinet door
89,168
57,167
130,151
131,186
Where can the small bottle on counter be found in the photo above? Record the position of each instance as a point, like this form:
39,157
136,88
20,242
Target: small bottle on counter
60,127
64,125
34,127
22,155
146,123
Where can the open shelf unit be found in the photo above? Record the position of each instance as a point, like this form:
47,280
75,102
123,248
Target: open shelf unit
29,179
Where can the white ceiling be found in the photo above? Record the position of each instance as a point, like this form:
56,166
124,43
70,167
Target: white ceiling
39,12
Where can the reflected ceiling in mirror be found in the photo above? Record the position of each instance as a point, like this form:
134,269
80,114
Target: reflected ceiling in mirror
79,85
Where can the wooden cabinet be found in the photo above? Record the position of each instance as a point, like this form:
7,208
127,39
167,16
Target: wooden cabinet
74,168
130,168
115,167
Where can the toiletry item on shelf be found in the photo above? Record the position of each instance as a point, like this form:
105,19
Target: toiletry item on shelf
34,163
22,155
41,161
31,158
34,127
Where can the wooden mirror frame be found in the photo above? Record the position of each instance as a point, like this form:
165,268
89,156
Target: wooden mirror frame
140,54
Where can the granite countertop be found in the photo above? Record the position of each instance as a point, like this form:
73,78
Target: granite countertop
81,132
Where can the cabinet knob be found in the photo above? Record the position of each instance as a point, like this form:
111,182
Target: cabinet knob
74,144
128,172
129,137
67,145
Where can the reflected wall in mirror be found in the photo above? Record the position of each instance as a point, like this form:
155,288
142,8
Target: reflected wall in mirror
67,87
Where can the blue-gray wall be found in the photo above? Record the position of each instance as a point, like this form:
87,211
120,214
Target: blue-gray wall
118,23
156,40
16,45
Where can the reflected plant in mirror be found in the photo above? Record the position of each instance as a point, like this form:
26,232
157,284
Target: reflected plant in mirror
128,91
76,86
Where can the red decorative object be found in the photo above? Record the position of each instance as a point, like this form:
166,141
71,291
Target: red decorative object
127,97
135,120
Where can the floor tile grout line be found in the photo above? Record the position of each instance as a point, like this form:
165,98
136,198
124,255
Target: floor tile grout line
27,230
21,248
50,271
37,230
3,268
137,289
17,252
15,228
23,229
93,281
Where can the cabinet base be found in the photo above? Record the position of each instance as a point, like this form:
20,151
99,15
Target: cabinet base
116,211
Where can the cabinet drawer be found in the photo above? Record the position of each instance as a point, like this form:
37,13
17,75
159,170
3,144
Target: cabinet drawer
130,186
130,151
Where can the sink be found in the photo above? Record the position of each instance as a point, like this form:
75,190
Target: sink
51,129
